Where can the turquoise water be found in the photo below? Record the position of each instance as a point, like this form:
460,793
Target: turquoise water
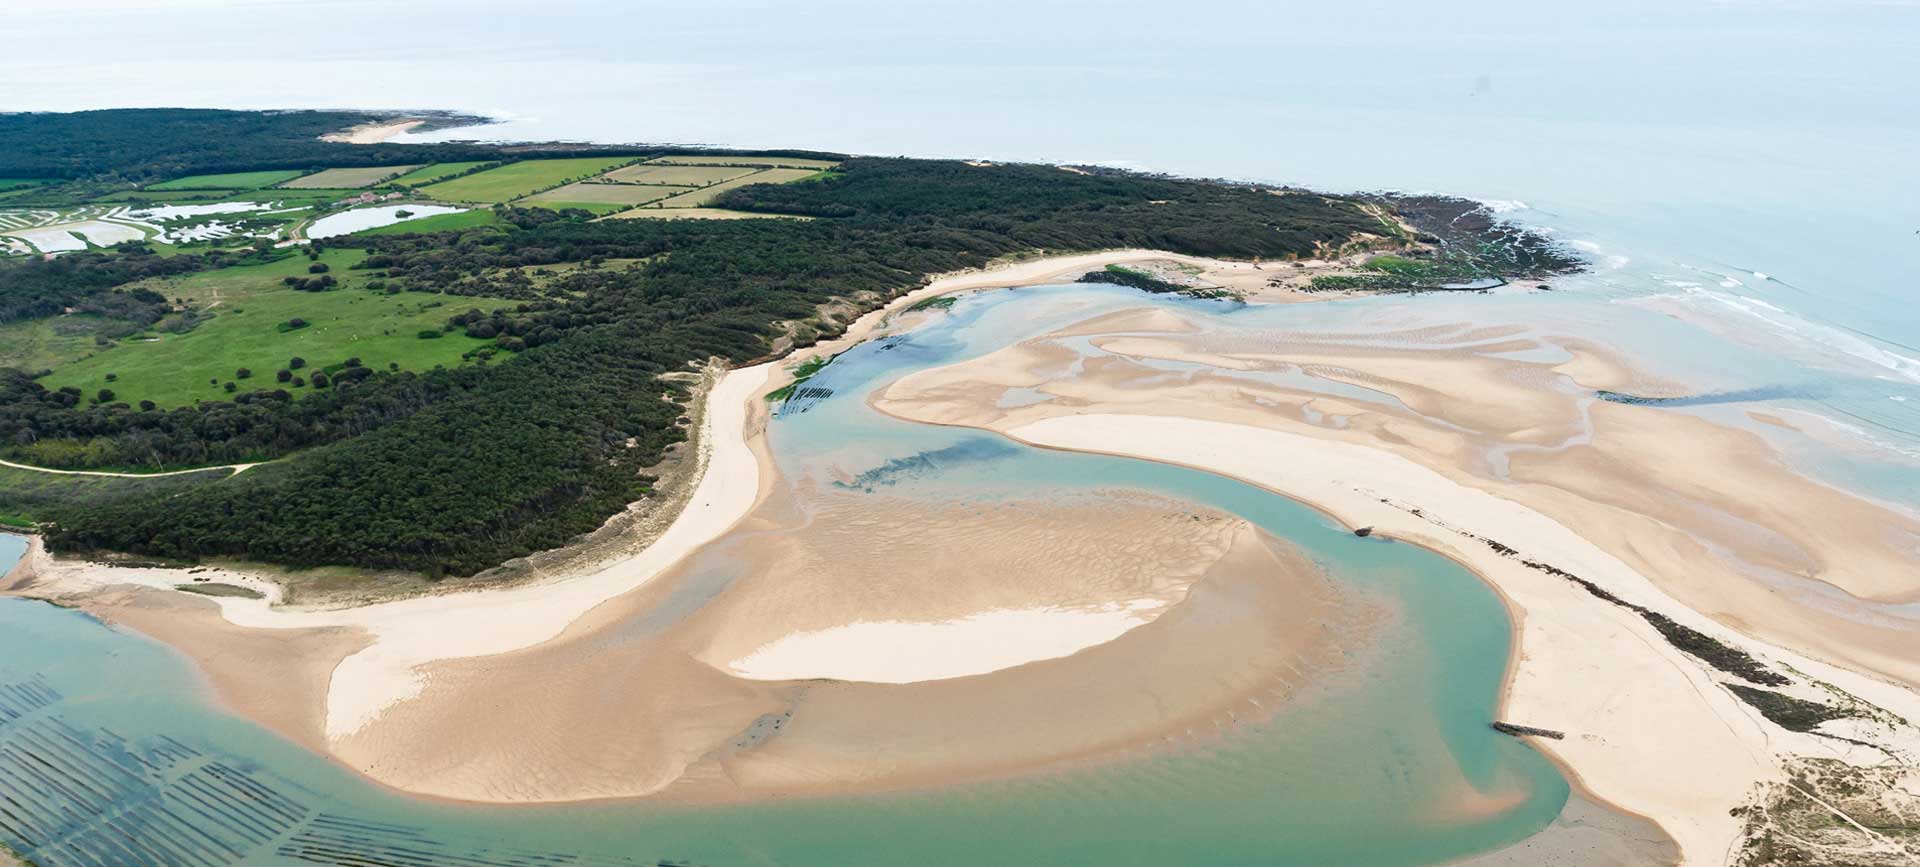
1351,771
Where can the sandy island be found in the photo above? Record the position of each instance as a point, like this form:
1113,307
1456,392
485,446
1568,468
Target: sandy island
391,689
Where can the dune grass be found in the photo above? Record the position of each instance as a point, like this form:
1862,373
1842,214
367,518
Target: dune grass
26,495
514,180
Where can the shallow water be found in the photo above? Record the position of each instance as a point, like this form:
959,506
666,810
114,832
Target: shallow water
1359,767
362,219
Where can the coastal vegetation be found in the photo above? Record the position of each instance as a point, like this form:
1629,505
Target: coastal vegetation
529,416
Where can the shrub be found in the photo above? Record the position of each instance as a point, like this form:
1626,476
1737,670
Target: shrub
230,387
112,377
148,406
296,362
428,334
319,379
105,395
243,373
299,382
318,268
283,375
352,362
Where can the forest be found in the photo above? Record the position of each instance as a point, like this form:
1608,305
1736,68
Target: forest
520,455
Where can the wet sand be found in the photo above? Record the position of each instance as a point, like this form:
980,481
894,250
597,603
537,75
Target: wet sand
1441,438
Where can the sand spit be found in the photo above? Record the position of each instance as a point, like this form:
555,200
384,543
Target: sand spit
1442,439
373,132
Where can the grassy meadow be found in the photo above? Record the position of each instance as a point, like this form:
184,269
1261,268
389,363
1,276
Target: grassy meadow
234,181
250,307
515,180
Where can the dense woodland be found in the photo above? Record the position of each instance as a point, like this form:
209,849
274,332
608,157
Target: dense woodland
519,455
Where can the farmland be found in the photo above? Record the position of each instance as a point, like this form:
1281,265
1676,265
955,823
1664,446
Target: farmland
347,179
435,172
233,181
515,180
705,195
247,329
675,175
601,197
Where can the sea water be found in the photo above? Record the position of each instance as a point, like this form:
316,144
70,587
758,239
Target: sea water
1355,768
1738,173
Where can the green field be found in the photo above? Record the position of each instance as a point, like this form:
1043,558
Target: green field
763,162
248,306
235,181
435,172
442,223
676,176
514,180
346,179
601,197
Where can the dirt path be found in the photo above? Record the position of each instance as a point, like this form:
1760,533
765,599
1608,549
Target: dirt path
236,468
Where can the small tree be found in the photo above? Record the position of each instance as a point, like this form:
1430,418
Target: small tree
299,382
296,362
105,395
318,268
230,387
319,379
148,406
283,375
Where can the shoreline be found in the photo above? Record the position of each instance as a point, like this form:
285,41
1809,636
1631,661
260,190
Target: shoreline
1557,630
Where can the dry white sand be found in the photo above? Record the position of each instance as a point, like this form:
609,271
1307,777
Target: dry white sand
371,133
915,652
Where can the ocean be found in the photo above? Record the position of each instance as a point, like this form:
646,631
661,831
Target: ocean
1740,175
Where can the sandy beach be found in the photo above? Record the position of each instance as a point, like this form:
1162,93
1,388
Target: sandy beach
372,133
